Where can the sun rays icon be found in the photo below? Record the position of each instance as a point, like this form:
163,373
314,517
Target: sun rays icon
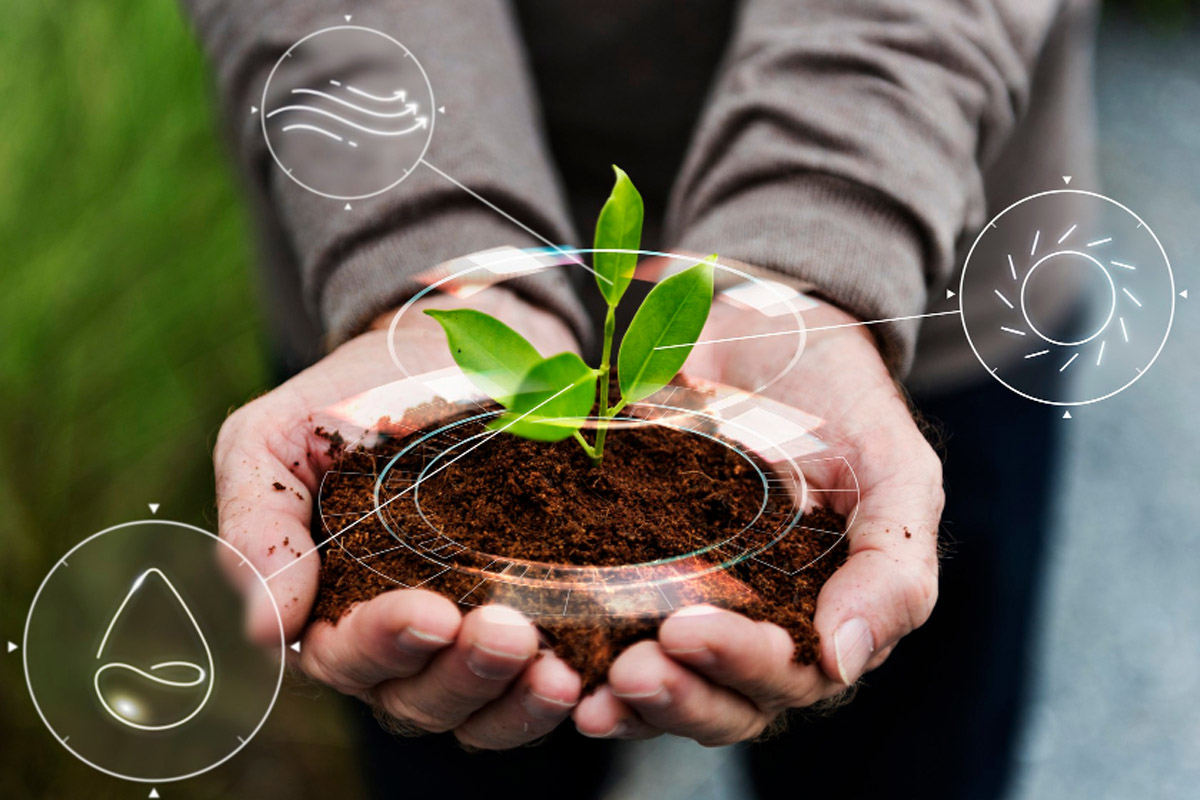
1067,297
1121,303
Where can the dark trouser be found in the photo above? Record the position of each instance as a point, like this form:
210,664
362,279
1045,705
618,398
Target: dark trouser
938,720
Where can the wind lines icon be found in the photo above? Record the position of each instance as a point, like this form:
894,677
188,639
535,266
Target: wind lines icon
168,675
409,109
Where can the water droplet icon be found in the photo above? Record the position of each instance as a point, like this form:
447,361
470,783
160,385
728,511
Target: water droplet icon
169,688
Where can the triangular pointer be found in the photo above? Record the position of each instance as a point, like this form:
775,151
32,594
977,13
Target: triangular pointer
253,109
153,507
949,294
347,206
1183,294
1067,180
153,793
11,646
442,109
295,646
1066,415
348,17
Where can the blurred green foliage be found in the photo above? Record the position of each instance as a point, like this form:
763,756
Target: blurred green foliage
129,326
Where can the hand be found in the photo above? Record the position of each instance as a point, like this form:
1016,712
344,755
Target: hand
718,677
407,652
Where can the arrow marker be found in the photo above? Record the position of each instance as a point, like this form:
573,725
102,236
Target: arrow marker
348,17
441,109
153,507
1066,415
949,294
153,793
1183,294
11,647
295,646
347,206
253,109
1067,180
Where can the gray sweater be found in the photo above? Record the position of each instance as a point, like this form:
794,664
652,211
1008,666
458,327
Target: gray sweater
857,145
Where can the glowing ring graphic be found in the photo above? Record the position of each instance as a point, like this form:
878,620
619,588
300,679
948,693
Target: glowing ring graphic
528,583
801,331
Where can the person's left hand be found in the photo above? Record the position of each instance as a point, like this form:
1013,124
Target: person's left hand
718,677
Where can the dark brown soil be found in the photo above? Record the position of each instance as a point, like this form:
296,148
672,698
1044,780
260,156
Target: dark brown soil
660,494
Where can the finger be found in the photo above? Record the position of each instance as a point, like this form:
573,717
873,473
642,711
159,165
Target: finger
494,645
888,586
263,510
540,699
392,636
601,715
672,698
754,659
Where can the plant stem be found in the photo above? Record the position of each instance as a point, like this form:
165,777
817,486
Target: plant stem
587,448
610,326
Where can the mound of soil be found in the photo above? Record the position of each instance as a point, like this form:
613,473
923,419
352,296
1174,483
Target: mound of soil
660,494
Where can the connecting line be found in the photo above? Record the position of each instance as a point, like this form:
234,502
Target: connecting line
574,259
810,330
417,483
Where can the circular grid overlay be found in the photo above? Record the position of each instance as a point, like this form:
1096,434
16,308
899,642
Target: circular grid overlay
543,590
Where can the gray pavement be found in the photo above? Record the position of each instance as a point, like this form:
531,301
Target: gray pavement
1117,695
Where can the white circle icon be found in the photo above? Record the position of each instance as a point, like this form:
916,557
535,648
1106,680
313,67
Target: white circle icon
1058,259
135,656
347,112
1067,297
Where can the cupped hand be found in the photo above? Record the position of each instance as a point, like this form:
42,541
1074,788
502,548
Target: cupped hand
407,652
717,677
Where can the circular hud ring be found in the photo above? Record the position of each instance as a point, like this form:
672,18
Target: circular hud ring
765,302
1067,297
347,112
429,559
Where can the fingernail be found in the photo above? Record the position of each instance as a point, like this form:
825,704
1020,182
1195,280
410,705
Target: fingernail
494,665
853,645
413,640
659,698
616,732
697,611
542,707
502,615
696,656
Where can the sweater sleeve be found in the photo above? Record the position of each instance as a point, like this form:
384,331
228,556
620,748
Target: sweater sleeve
845,141
355,264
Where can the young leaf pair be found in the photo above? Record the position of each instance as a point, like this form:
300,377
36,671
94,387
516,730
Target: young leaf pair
549,399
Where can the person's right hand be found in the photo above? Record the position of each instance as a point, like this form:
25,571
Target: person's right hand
407,652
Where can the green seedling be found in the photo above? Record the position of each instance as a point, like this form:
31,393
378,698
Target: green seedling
549,399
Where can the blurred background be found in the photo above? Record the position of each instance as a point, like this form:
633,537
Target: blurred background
130,326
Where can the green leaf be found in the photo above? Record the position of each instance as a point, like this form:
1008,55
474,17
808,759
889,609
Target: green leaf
619,227
494,356
672,314
554,399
